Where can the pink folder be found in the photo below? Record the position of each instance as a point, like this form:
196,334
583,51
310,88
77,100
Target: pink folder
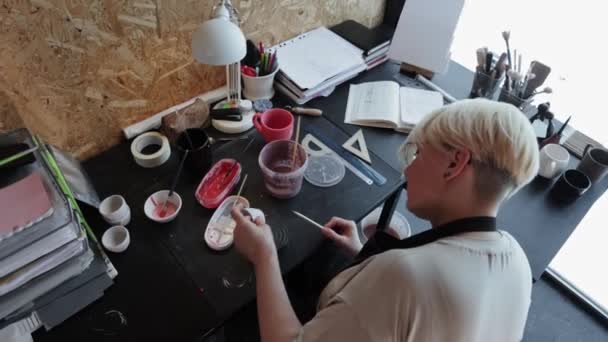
22,204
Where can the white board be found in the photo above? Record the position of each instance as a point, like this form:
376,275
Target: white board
424,34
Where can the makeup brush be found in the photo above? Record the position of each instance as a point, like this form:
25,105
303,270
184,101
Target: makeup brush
506,35
236,161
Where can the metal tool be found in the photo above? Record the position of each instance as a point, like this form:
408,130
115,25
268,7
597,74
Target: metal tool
305,110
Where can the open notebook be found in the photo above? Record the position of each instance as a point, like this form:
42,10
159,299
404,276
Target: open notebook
386,104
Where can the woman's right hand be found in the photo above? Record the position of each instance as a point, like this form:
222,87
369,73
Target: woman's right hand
344,233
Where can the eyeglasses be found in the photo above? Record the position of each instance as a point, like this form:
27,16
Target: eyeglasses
410,152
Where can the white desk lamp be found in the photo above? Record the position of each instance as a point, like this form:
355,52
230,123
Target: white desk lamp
220,41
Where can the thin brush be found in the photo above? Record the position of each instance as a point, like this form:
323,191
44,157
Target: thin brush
295,146
236,162
163,210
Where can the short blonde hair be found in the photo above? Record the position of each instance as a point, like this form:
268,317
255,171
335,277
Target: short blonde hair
503,144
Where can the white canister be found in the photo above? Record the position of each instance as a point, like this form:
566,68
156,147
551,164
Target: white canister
553,160
259,87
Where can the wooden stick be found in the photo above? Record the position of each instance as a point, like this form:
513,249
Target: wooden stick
307,219
238,195
295,146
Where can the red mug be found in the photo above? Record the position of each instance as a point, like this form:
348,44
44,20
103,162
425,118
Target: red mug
274,124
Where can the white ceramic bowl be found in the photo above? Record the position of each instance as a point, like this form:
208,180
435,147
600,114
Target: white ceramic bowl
159,198
398,228
116,239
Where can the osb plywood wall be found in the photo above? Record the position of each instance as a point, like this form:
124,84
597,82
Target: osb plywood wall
77,71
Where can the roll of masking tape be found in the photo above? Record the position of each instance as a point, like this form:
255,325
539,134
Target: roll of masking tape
156,158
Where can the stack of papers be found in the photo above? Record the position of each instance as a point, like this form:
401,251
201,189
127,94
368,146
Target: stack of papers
43,246
314,63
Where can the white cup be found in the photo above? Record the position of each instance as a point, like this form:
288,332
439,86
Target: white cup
399,228
259,87
115,210
116,239
553,161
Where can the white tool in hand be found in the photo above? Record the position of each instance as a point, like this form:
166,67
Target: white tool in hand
309,220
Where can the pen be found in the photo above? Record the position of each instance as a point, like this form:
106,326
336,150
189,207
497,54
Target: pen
271,63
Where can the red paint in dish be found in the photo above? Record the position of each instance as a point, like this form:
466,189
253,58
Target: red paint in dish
218,183
168,210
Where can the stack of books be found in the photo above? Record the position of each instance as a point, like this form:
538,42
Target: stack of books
314,63
373,42
49,266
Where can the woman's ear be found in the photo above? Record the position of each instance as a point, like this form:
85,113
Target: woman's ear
460,158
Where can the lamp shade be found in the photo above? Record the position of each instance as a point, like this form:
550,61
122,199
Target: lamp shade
218,42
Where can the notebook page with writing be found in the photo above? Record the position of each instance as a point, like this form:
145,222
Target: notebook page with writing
373,104
416,103
315,56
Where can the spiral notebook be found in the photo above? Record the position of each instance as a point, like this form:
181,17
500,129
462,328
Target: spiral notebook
312,63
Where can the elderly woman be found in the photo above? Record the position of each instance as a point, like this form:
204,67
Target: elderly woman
462,280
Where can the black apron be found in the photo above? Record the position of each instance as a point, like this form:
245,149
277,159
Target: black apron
382,242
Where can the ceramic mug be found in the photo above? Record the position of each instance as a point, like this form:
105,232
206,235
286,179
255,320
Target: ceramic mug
594,163
553,160
571,185
274,124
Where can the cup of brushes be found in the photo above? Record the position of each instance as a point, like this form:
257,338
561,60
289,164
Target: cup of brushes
258,71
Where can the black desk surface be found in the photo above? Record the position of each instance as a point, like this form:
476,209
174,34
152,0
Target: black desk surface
164,291
170,283
538,224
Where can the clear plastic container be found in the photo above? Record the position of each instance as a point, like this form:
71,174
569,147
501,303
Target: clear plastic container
218,183
283,163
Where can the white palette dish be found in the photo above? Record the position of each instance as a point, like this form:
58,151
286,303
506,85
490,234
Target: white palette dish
219,234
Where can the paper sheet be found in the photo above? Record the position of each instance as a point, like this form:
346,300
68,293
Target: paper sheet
416,103
425,32
315,56
22,204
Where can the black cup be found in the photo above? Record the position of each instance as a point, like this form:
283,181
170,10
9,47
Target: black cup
570,186
199,158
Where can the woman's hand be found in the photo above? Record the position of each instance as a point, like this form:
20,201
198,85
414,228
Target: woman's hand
252,239
344,233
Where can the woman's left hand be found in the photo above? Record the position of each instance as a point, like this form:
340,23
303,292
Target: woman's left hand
253,240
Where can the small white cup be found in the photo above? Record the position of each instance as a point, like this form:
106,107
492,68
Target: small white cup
259,87
399,228
116,239
553,160
115,210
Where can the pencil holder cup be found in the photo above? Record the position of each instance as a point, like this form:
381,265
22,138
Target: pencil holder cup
259,87
485,85
510,97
